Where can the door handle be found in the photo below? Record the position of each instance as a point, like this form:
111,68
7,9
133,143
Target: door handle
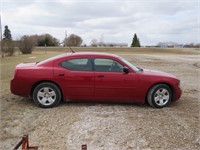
100,76
61,75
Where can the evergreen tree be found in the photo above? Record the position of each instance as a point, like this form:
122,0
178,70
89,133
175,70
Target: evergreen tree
138,43
135,41
7,45
7,34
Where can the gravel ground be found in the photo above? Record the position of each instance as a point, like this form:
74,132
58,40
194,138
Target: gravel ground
111,126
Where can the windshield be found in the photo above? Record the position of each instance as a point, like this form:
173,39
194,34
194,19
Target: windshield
130,64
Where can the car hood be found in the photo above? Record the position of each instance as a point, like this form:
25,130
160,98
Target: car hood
157,73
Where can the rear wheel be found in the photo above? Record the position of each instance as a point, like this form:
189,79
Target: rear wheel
46,95
159,96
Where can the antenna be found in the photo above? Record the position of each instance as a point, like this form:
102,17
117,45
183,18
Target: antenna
71,49
66,44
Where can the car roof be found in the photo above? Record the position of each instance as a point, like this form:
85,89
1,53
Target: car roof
92,54
78,54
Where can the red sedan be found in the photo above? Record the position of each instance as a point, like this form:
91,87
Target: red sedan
93,77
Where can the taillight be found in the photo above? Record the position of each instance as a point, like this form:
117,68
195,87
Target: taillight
15,73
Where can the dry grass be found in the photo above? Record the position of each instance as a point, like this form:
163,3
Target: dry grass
8,63
124,50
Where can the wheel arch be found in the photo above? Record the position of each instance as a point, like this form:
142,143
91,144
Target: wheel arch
169,85
42,81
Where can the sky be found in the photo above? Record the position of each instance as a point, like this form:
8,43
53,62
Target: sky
113,21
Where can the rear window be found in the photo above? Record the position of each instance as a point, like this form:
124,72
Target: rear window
80,64
51,58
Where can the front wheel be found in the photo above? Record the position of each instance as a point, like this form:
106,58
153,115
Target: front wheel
159,96
46,95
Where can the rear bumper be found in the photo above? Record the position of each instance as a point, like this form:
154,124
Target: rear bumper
20,88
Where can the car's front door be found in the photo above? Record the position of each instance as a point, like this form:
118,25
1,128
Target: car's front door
111,83
76,78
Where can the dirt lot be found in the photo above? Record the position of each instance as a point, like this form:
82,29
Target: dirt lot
107,126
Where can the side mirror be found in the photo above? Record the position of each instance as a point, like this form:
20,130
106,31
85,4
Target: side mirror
126,70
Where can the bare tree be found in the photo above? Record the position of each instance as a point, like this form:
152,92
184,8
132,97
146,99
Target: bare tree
94,43
27,43
47,39
73,40
8,47
7,44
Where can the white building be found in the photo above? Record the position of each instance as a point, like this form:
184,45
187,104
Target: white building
102,44
169,45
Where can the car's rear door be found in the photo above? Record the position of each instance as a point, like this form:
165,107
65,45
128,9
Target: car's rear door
76,78
111,83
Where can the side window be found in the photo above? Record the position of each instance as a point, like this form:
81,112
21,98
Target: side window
80,64
107,65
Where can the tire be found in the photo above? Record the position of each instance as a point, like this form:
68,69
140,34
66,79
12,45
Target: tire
159,96
46,95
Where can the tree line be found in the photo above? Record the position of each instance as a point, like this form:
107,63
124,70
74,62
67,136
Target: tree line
26,43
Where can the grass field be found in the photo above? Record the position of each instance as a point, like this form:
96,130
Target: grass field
124,50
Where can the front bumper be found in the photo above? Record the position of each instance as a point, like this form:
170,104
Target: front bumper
177,93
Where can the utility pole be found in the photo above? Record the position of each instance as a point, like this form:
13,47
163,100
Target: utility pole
66,33
0,28
101,40
1,52
65,42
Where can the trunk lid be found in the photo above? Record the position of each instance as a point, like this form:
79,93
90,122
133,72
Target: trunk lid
25,65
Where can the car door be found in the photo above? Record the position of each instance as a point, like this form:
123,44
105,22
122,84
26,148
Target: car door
111,83
76,78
